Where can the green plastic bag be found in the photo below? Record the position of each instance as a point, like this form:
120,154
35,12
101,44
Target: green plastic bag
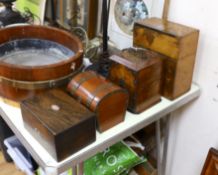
36,7
115,160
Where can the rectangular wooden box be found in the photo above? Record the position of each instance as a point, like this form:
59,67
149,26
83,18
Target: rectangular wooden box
59,123
178,43
140,76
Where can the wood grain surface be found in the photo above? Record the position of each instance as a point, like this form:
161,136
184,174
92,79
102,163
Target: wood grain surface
140,76
8,168
170,39
101,97
178,43
38,73
60,123
211,163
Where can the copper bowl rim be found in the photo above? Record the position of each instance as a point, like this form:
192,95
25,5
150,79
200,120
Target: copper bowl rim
78,53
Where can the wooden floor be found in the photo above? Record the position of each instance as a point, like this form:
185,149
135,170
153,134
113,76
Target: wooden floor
8,168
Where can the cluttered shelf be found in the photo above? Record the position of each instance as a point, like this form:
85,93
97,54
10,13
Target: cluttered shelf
131,124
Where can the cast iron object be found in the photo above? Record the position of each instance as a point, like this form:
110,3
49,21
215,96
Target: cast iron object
103,64
8,16
103,60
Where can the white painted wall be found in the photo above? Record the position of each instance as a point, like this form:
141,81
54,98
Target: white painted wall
194,129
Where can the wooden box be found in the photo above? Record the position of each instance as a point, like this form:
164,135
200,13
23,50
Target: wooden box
106,99
141,76
145,169
178,43
59,123
211,163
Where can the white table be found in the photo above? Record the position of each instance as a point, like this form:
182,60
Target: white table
12,116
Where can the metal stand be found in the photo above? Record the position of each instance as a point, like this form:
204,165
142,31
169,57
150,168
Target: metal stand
162,153
102,66
158,141
165,146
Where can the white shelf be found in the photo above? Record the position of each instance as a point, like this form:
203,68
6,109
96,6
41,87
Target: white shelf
132,123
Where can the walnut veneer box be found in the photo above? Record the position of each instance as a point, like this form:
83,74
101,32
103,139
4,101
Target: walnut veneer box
175,41
59,123
140,73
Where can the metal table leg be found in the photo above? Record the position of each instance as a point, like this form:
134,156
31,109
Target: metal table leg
165,146
162,155
158,141
80,168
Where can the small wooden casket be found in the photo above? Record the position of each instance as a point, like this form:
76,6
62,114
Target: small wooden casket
59,123
106,99
140,75
178,43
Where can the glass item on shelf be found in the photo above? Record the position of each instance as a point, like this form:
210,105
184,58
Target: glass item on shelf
127,12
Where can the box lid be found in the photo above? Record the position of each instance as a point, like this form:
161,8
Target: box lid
136,59
56,110
167,27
